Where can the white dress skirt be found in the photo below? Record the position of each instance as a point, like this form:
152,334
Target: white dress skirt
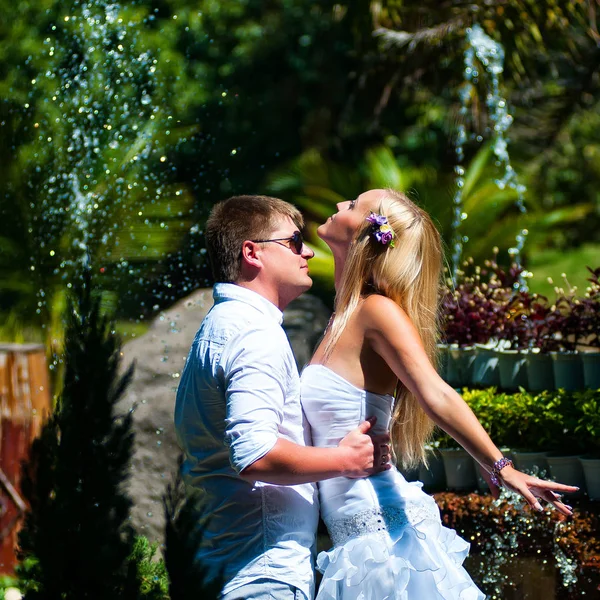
389,541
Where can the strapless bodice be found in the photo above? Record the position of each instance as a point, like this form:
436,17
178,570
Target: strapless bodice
334,407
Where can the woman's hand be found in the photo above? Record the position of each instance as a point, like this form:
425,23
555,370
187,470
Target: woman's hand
532,489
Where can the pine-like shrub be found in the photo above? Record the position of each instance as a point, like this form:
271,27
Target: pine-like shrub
77,542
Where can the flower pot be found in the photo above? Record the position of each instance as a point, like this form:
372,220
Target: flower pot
591,471
411,474
540,372
482,484
459,469
513,369
433,476
442,368
533,462
567,470
591,369
460,365
485,366
568,370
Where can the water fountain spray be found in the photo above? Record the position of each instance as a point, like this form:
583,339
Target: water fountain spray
102,129
490,55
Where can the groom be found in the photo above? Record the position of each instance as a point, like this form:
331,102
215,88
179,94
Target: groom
238,415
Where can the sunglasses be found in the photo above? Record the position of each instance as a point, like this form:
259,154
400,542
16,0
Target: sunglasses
296,242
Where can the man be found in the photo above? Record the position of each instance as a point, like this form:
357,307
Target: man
238,415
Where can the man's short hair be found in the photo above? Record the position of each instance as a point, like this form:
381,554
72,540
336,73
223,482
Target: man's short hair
237,219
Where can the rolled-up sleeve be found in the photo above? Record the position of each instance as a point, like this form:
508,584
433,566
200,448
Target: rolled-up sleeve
254,377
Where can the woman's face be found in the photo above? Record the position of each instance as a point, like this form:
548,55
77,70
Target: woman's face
338,231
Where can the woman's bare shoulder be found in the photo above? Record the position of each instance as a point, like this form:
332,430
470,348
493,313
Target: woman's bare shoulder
381,313
376,306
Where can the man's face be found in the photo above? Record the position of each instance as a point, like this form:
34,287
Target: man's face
283,268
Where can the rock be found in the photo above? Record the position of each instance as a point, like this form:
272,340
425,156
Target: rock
159,357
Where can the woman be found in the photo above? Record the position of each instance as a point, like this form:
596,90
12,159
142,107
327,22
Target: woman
387,534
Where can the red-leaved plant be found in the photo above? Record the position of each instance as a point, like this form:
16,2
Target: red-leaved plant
474,311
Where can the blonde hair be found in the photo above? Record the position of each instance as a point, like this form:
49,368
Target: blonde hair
410,275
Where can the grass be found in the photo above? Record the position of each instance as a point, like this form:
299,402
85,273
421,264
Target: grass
552,263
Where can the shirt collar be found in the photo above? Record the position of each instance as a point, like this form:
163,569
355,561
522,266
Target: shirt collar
230,291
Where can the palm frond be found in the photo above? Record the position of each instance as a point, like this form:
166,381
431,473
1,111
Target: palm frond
432,36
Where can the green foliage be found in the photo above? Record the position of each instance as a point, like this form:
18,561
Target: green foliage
239,89
548,265
151,574
544,421
183,535
7,581
589,425
76,540
88,123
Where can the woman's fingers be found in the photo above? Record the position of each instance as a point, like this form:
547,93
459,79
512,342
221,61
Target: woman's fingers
531,499
539,488
532,488
552,485
553,499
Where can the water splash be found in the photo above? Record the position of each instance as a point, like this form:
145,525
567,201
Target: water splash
503,550
101,132
483,50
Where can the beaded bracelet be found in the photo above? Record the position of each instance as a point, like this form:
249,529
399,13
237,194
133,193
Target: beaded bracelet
498,466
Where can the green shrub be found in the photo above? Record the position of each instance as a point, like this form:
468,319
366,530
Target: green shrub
544,421
151,575
588,426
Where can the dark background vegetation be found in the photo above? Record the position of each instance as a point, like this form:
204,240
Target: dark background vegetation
310,100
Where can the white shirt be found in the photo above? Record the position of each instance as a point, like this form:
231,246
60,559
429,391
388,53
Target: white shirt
240,392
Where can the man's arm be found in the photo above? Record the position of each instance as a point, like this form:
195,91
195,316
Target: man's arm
358,455
255,373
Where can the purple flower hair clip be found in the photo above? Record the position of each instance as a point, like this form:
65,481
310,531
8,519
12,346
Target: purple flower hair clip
381,230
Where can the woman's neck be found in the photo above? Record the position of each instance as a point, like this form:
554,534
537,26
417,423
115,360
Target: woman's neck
339,260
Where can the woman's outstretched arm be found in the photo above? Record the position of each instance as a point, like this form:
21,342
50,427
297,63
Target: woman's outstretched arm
392,335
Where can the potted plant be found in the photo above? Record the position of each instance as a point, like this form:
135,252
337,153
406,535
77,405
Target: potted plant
527,431
432,475
472,311
458,463
588,404
541,341
497,287
591,335
562,416
514,332
570,324
491,409
460,330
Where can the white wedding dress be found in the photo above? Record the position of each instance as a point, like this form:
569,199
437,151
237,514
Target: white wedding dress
389,542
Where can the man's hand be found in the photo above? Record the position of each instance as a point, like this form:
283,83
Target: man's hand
366,454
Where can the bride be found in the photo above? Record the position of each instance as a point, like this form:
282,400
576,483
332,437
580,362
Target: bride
376,359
